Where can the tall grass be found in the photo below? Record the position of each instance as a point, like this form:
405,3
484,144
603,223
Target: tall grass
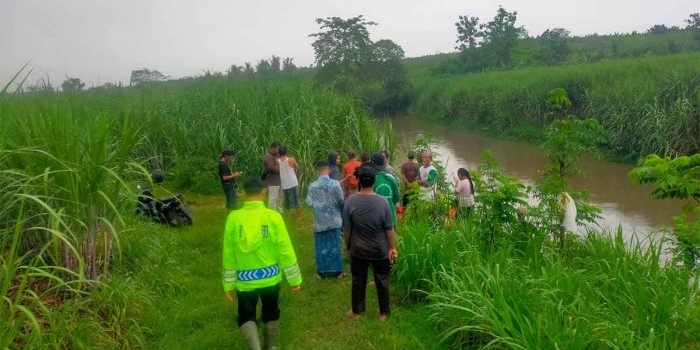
68,163
649,105
512,286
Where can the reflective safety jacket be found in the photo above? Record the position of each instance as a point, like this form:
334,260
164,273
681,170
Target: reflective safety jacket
257,249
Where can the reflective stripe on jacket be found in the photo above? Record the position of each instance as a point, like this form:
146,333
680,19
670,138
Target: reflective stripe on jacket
257,249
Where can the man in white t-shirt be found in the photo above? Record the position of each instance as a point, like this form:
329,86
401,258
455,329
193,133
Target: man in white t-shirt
427,177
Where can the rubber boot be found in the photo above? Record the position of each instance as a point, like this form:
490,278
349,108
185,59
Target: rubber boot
272,332
250,334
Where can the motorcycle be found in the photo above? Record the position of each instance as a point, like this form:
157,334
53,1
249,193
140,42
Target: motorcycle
172,211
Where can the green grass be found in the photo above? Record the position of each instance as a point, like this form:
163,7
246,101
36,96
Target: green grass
190,310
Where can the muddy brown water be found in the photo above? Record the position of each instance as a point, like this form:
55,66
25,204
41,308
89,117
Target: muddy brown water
623,202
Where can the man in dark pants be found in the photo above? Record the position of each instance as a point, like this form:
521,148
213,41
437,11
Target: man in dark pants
257,254
370,239
228,178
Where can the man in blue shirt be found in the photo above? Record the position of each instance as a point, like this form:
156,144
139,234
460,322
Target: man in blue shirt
325,196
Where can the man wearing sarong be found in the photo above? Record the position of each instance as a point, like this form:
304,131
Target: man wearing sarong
325,196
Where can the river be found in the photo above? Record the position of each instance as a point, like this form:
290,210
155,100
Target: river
623,202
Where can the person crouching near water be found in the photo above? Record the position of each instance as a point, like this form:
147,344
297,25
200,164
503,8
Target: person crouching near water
257,252
370,240
325,196
464,189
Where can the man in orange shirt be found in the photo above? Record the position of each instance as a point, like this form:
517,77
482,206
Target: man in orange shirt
351,184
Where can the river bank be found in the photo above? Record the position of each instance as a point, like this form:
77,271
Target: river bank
623,202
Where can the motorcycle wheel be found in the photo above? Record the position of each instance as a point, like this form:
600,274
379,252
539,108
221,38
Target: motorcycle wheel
177,218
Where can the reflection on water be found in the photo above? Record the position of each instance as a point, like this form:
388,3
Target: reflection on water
623,202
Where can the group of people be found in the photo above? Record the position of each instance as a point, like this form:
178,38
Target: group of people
354,203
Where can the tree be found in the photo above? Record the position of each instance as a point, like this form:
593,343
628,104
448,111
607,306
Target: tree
263,68
146,75
342,42
693,21
500,36
386,50
394,91
658,29
248,69
234,71
555,47
288,65
566,140
275,64
349,62
72,84
467,33
694,24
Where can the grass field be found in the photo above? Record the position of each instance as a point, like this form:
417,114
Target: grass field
190,310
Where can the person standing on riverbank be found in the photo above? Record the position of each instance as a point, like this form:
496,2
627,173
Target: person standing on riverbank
409,173
386,185
349,168
228,178
288,180
464,188
257,252
370,239
271,176
428,177
325,196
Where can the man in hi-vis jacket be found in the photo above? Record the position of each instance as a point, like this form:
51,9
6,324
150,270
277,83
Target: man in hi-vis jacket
256,253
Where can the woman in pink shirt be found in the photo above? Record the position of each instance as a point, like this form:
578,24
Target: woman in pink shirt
464,188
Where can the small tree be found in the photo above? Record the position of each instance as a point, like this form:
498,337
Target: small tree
72,84
566,140
677,178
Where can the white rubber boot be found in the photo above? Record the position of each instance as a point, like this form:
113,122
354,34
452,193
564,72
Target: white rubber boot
272,332
250,334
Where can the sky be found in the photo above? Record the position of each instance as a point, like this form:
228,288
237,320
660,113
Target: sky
101,41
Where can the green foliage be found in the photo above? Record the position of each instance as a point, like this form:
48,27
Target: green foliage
145,75
558,101
555,49
566,140
489,46
677,177
349,62
72,84
498,200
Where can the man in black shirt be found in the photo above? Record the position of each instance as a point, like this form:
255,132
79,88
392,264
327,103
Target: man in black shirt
371,240
228,178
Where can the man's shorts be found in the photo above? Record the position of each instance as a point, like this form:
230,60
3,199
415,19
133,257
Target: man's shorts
291,198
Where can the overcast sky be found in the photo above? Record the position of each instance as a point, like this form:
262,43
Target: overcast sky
101,41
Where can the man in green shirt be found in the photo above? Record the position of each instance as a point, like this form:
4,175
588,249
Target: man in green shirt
256,252
386,185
